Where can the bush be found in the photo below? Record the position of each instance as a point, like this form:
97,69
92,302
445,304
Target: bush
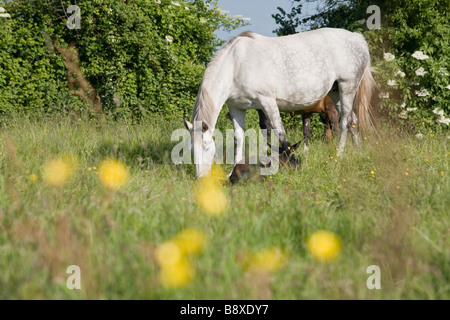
142,56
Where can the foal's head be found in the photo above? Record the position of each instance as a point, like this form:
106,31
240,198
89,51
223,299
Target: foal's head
286,154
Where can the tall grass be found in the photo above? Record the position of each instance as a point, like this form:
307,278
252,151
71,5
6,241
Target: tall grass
388,202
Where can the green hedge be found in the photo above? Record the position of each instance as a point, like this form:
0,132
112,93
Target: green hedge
142,56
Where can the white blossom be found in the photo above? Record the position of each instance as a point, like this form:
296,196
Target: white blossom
403,115
388,56
419,55
438,112
384,95
448,87
443,120
392,83
403,105
186,8
419,135
3,13
421,72
411,109
400,73
169,39
246,19
175,3
422,92
443,71
158,1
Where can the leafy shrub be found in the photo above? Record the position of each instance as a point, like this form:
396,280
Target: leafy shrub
141,56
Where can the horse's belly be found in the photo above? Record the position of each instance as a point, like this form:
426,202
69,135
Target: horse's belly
289,106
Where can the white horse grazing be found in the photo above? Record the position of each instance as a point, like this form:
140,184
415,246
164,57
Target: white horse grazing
282,74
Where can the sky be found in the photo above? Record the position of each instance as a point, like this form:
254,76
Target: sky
260,12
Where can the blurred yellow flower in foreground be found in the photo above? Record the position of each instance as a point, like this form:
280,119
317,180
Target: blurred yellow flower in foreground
173,257
168,253
212,200
217,174
191,241
58,171
177,275
267,260
113,174
324,245
209,193
33,177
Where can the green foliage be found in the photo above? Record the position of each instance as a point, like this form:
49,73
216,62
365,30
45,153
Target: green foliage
141,55
406,27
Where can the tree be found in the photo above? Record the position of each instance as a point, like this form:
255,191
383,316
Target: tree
141,56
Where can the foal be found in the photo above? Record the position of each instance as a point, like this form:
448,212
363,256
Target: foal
329,117
244,169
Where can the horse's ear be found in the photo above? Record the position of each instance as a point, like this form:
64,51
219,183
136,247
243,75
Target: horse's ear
204,126
295,146
188,125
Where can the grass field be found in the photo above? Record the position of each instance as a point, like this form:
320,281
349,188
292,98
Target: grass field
388,202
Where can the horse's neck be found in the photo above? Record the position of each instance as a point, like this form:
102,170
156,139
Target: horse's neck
214,90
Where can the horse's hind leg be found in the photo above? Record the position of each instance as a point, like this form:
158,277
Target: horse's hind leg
354,129
326,127
347,95
306,120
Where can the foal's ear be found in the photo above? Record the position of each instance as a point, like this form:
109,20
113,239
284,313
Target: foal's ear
188,125
295,146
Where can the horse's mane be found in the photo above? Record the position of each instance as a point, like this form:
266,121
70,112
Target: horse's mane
204,106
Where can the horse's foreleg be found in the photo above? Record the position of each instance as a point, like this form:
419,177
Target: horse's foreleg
270,109
306,120
238,118
265,126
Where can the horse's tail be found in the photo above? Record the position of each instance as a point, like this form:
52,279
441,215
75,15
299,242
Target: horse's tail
362,104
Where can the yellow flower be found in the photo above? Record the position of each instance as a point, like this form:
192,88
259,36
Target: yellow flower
177,275
324,245
191,241
217,174
212,200
168,253
267,260
33,177
113,174
57,171
441,174
209,193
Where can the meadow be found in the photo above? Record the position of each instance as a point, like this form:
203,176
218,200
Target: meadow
388,202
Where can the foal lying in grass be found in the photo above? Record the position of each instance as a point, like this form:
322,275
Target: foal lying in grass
249,168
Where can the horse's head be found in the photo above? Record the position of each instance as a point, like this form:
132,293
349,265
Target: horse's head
286,154
202,147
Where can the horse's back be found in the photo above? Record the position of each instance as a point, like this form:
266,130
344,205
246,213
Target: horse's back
299,69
